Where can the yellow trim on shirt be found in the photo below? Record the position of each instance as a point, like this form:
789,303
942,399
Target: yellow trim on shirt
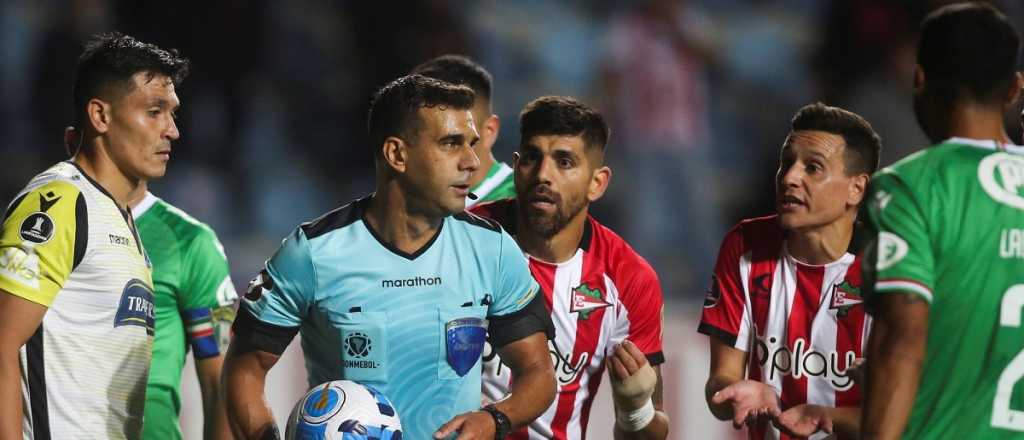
37,242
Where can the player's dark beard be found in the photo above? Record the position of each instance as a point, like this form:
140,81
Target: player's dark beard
544,224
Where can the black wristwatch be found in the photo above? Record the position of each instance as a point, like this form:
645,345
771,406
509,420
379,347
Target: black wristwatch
502,425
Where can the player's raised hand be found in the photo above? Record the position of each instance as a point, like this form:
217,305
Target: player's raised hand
633,378
804,420
751,401
476,425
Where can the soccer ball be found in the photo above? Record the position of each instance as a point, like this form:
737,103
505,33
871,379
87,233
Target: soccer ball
344,410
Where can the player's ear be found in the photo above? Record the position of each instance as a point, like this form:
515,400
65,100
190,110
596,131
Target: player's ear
98,113
1015,89
395,151
599,183
492,126
919,79
858,189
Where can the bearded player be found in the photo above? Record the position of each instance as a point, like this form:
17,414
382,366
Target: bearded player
605,299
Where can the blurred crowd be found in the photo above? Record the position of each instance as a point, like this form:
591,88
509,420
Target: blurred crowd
699,94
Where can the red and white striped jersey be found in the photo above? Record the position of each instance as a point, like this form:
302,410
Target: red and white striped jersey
802,324
602,295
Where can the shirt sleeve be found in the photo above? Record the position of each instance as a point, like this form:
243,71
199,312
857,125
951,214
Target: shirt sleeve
516,286
725,304
278,298
644,308
517,309
208,295
898,256
43,238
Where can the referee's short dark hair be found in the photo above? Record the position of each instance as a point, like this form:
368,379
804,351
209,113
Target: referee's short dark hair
565,116
460,70
863,145
394,110
968,50
110,60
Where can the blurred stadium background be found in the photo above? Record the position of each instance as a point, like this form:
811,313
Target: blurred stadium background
699,93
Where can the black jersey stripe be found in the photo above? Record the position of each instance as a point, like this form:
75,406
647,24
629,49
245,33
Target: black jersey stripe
37,386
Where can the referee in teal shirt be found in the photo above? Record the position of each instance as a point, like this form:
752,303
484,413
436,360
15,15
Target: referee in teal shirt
399,289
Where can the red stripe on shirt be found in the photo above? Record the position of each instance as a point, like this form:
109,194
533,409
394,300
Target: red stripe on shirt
588,334
806,301
850,337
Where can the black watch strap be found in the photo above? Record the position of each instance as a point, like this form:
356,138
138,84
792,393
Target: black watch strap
502,425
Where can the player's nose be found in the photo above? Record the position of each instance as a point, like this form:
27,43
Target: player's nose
172,132
469,159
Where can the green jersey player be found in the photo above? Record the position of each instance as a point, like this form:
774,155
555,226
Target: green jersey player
945,270
194,309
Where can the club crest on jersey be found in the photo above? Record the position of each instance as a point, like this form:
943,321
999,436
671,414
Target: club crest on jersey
136,306
844,297
464,341
585,300
1002,176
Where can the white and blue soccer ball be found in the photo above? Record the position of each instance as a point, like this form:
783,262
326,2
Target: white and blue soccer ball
344,410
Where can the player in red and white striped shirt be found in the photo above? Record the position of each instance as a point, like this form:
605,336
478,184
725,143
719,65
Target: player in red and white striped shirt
605,300
783,312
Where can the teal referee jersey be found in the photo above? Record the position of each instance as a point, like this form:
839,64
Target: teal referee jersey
411,325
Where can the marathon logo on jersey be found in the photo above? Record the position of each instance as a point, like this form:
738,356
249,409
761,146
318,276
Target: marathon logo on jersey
585,300
844,297
20,265
120,240
777,360
1002,176
714,293
136,307
411,282
464,343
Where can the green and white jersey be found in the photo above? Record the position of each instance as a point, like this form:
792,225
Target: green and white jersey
194,298
497,185
948,226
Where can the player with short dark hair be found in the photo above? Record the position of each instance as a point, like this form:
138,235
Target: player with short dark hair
784,312
604,297
76,308
397,289
944,271
492,180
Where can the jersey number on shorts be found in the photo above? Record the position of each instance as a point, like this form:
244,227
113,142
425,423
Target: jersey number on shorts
1009,316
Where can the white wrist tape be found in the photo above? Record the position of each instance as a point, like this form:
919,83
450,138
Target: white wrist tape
632,421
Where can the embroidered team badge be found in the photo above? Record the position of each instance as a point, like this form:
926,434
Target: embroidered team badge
585,300
844,297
